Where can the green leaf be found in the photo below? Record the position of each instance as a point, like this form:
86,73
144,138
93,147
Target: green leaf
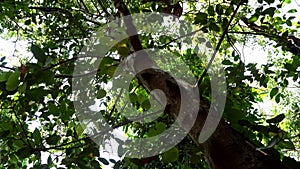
286,144
53,140
219,9
22,88
101,93
27,22
270,11
285,34
276,119
111,70
103,160
146,105
95,164
49,160
13,81
53,109
270,1
4,76
253,18
277,98
292,11
36,94
170,155
288,1
37,136
133,97
4,133
38,53
289,23
160,127
226,62
273,92
229,10
201,18
23,152
210,10
213,26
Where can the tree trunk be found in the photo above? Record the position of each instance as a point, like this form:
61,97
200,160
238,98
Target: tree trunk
226,148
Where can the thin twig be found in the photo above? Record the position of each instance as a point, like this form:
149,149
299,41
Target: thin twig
218,45
180,37
60,63
9,68
23,129
116,102
254,33
93,72
103,7
85,7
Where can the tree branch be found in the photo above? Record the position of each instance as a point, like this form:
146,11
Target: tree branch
284,41
9,68
219,44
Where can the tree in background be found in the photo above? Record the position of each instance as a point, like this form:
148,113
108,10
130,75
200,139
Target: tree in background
39,90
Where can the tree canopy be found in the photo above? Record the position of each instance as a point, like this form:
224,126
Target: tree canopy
44,117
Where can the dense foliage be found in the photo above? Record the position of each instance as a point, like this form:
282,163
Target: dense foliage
38,123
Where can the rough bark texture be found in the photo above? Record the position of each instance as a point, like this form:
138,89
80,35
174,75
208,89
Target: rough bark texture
226,148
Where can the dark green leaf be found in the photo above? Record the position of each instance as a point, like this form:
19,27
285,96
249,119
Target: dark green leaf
53,140
226,62
103,160
170,155
213,26
95,164
219,9
276,119
210,10
133,97
38,53
53,109
229,10
101,93
286,144
273,92
23,153
292,11
277,98
200,18
27,22
269,1
146,105
270,11
37,136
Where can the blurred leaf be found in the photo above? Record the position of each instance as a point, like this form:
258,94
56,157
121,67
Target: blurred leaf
170,155
38,53
13,82
276,119
37,136
273,92
53,139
